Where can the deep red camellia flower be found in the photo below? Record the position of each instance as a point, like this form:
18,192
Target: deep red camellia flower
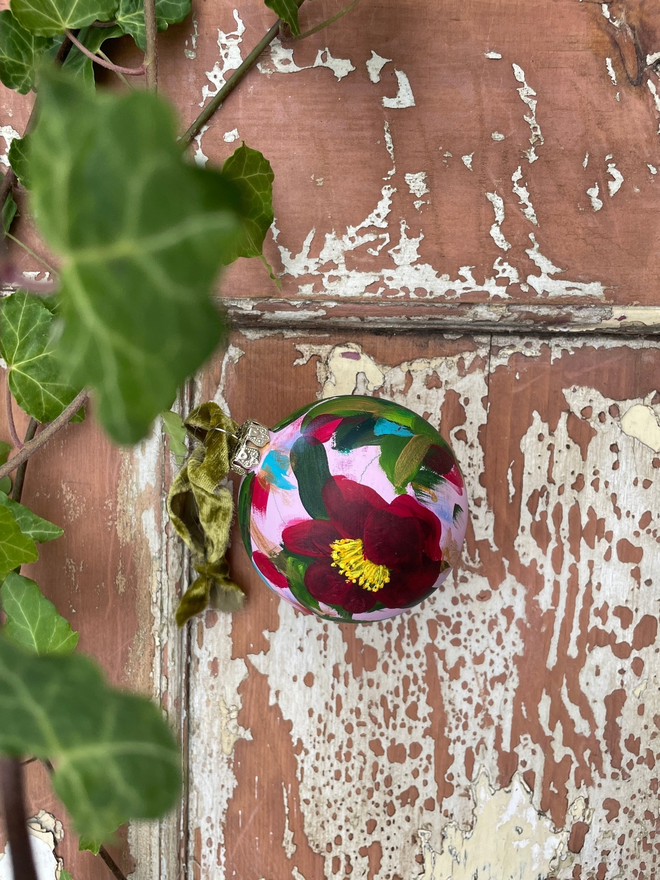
369,551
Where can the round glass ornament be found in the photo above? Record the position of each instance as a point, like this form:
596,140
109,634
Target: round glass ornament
355,509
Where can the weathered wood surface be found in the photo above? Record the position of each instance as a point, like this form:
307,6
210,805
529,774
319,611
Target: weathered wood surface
509,726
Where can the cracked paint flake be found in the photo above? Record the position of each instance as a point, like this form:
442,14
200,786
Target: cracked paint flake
509,839
642,423
528,97
523,197
45,832
417,183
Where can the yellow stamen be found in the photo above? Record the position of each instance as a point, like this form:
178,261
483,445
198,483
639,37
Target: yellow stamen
349,558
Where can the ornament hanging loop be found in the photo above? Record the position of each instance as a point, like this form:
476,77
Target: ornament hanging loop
252,437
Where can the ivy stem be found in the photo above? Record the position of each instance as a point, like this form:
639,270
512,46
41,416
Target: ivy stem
115,870
326,23
13,802
208,111
15,439
151,37
19,479
48,432
128,71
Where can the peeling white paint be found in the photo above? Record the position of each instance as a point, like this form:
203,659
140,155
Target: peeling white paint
586,160
644,315
555,286
523,197
9,134
614,185
374,66
528,97
654,91
509,839
610,70
652,168
230,136
495,56
191,53
229,47
593,192
200,157
389,146
467,160
404,96
281,61
496,229
642,423
497,136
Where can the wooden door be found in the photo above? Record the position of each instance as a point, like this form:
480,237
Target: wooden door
466,201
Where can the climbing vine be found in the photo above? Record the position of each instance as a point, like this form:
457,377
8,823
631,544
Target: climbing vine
139,234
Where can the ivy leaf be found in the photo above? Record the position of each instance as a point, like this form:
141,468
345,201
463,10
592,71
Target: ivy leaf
20,53
15,547
34,369
17,157
32,620
253,175
176,433
287,10
114,756
130,16
90,844
64,875
141,235
48,18
78,64
9,210
29,523
5,449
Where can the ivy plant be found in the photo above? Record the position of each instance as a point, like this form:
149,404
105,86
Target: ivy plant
139,234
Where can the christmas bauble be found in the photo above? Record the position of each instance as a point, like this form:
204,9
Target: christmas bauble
355,511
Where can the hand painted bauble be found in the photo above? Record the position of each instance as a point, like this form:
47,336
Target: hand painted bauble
355,511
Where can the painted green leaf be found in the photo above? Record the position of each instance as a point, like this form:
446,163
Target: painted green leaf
176,433
5,482
130,16
78,64
287,10
20,54
17,157
32,620
141,236
252,174
29,523
47,18
409,460
114,757
34,369
15,547
309,462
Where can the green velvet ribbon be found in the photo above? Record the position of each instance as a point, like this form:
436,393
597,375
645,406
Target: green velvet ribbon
201,511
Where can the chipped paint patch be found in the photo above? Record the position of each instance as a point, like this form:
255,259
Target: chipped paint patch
229,47
200,156
467,160
417,184
528,97
642,423
610,70
495,56
404,96
389,146
374,66
614,185
593,192
497,136
191,53
509,839
230,136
